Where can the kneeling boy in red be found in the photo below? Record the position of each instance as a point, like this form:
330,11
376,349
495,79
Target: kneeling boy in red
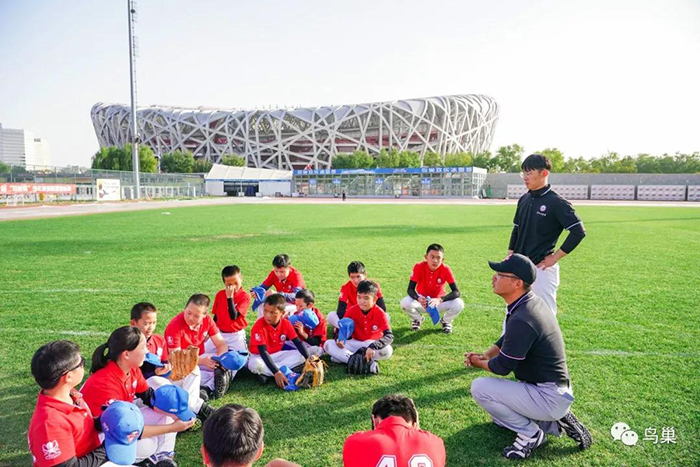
62,431
229,313
267,337
286,281
371,330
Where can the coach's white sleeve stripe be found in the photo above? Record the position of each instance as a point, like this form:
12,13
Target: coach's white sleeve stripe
512,358
569,227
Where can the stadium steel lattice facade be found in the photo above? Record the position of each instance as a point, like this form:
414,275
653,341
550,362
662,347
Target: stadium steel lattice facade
300,138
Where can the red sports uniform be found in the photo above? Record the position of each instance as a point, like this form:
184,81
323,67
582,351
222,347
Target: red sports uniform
241,300
111,383
319,331
394,443
368,326
156,345
293,280
60,431
273,337
348,293
431,283
179,334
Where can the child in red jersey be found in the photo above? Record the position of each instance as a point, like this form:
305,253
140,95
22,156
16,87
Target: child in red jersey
371,330
426,289
286,281
62,431
348,293
267,338
395,439
313,337
229,313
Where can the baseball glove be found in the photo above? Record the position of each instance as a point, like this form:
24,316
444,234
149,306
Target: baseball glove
357,364
313,373
183,362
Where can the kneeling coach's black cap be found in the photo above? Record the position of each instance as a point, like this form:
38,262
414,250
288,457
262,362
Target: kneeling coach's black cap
517,265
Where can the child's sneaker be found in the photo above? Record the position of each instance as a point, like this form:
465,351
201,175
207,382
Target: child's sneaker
416,324
446,327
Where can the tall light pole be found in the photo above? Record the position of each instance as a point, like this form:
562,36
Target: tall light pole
132,74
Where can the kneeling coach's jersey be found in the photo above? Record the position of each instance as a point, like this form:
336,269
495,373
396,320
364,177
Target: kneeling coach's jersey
394,443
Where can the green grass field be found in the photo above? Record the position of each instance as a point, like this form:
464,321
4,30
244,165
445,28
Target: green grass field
627,307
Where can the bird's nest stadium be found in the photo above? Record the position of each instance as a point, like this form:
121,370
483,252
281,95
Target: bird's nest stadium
306,138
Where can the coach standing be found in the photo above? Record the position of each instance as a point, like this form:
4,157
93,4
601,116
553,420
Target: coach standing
532,347
540,217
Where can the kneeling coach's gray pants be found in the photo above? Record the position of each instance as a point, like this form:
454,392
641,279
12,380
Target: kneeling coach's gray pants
523,407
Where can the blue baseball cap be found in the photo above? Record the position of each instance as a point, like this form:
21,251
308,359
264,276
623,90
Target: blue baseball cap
346,327
258,293
309,318
122,424
294,318
173,400
232,360
154,360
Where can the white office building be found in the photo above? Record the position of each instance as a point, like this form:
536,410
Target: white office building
21,147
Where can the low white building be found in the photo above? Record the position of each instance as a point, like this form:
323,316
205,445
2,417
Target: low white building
225,180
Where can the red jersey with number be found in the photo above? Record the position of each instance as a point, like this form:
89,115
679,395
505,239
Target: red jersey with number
370,325
179,334
273,337
293,280
241,301
394,443
348,293
111,383
319,331
59,431
431,283
156,345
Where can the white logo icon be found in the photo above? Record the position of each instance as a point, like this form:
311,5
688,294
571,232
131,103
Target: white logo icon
622,432
51,450
543,208
283,338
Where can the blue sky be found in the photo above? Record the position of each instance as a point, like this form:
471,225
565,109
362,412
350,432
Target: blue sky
583,76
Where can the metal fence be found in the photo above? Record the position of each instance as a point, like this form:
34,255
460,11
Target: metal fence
153,185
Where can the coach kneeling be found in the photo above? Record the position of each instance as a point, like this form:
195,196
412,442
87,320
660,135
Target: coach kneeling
533,348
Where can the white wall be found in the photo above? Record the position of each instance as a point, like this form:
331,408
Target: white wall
270,188
214,188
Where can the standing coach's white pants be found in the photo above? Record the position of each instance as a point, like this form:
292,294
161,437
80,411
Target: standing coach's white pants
449,309
546,286
339,355
234,341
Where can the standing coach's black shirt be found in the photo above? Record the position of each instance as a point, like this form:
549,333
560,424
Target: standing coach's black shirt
532,346
539,220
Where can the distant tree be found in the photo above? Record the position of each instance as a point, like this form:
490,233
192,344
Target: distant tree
233,160
388,159
4,168
508,158
202,166
432,159
483,160
342,161
556,157
409,159
647,164
459,159
177,162
576,165
116,158
361,159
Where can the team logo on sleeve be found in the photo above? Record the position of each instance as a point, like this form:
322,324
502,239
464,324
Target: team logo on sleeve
51,450
170,340
258,337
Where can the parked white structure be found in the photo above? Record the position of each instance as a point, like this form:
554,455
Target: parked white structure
42,153
299,138
225,180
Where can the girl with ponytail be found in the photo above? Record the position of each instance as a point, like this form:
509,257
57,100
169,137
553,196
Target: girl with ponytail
116,377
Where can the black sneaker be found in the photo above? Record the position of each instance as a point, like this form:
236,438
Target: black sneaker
446,327
416,324
166,463
263,379
204,393
523,446
222,380
205,411
575,430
